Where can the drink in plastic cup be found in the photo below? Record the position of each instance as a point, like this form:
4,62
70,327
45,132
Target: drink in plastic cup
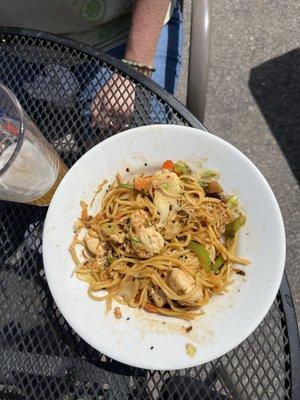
30,169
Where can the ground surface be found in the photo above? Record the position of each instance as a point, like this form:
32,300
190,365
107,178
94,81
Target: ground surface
254,98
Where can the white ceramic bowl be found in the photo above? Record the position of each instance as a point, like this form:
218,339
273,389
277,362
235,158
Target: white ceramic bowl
146,340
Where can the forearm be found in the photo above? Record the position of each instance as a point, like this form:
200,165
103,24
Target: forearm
147,20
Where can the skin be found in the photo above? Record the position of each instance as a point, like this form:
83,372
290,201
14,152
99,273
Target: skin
114,103
147,21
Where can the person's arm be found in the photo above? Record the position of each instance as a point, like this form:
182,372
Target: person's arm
147,21
114,102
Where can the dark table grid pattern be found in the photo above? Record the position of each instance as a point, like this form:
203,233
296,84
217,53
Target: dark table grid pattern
41,357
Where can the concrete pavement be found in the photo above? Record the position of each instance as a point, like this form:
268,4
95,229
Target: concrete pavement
254,98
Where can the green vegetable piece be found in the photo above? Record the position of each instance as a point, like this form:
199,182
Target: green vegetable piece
181,168
109,228
217,264
165,186
126,186
203,184
211,174
202,254
232,202
208,175
136,239
145,192
110,259
234,226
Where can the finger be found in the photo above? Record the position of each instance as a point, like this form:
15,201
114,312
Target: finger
100,113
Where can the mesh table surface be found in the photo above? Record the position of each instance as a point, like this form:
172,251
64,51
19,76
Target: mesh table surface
41,357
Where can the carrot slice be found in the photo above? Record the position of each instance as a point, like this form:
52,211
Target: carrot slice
120,215
144,182
168,164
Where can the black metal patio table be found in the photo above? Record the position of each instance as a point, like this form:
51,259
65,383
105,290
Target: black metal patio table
41,357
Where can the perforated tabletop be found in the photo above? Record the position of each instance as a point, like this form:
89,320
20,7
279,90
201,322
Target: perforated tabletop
41,357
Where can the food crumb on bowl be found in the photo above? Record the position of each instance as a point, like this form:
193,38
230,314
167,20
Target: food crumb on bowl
127,169
188,329
239,271
190,349
127,319
151,348
117,313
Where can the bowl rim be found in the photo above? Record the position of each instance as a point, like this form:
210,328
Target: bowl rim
238,340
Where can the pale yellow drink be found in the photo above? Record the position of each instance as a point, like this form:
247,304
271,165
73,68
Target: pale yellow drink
32,177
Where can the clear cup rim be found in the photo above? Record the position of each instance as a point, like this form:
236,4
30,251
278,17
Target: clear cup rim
21,130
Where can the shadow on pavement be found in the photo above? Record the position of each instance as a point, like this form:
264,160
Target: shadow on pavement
275,86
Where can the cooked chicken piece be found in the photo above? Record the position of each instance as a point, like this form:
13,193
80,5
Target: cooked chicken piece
94,245
180,281
171,228
167,188
117,237
146,241
130,290
183,283
158,296
163,204
152,240
139,219
167,181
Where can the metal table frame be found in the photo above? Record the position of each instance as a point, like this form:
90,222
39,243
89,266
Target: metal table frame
285,293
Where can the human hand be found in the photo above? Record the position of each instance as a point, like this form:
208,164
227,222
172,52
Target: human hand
113,105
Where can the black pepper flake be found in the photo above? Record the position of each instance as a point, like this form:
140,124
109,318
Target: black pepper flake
188,329
127,169
215,195
145,164
239,272
151,348
127,319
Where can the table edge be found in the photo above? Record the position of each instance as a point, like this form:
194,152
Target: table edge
293,335
94,52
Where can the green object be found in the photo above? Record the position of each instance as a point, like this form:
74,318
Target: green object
234,226
208,175
109,228
93,10
110,259
165,186
126,186
145,192
217,264
181,168
136,239
232,202
202,254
